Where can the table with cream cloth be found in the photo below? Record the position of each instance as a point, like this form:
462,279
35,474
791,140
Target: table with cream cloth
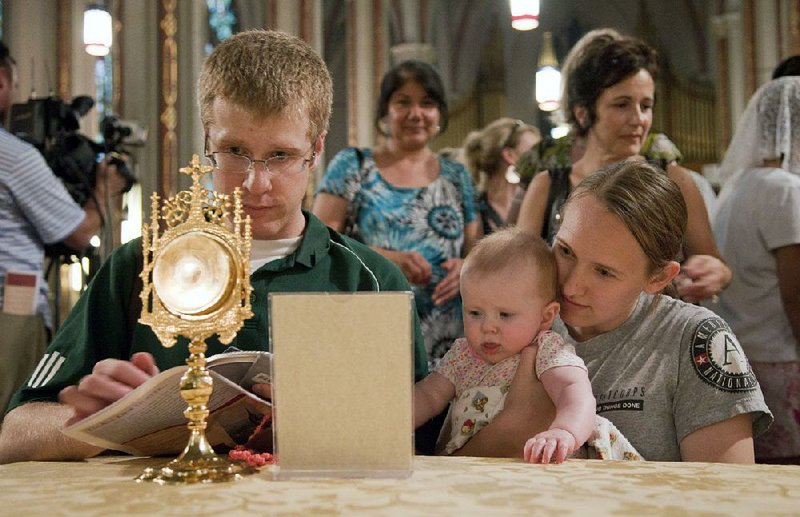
437,486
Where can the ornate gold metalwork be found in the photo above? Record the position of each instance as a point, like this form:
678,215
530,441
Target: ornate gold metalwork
196,284
64,33
168,95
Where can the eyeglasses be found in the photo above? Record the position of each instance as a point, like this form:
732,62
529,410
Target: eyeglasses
241,164
518,126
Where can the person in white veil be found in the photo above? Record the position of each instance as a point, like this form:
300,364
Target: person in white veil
757,227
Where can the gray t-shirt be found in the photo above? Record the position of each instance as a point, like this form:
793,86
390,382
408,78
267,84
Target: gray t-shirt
668,371
761,215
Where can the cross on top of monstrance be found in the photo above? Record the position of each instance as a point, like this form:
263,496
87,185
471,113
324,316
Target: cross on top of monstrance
196,284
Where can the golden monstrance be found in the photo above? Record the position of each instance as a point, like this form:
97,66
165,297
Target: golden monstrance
196,284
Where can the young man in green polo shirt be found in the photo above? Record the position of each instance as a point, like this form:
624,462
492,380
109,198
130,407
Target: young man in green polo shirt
265,101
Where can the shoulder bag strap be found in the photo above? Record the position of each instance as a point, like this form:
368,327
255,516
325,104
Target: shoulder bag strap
559,188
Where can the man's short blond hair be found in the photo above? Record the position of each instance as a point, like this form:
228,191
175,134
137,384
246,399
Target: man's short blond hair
267,73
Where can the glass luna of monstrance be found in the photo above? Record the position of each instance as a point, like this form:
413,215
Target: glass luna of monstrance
196,284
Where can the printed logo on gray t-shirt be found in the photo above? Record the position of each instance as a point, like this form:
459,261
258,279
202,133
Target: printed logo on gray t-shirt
718,358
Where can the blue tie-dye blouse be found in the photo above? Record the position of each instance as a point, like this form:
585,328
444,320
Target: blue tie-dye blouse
429,220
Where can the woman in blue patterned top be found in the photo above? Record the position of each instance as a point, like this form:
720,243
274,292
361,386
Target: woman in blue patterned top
413,207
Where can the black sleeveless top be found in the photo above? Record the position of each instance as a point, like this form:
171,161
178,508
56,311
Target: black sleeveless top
559,192
490,219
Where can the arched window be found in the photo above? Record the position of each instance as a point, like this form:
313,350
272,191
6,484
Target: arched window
104,86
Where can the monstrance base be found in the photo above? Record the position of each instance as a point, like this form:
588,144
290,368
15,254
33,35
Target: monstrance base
213,469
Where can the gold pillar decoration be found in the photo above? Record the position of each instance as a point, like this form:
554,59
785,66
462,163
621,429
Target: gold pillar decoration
168,97
794,27
351,64
307,17
378,50
196,283
720,30
749,36
117,54
64,33
272,14
778,24
307,22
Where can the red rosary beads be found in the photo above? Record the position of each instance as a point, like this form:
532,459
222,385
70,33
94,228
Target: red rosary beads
253,458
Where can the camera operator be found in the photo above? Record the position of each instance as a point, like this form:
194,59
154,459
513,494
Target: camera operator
35,209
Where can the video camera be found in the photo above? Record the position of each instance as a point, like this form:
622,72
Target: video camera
52,126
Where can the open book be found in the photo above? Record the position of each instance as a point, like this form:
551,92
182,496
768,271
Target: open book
149,421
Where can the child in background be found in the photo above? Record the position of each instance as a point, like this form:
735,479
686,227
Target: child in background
508,285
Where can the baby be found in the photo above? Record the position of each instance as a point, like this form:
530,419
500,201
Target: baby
508,286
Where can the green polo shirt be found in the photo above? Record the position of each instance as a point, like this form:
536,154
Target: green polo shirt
101,324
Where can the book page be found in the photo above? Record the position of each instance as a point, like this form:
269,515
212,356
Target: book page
342,383
150,421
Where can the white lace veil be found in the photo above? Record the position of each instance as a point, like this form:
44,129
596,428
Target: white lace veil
768,129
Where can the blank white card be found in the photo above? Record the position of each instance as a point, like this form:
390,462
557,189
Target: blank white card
342,383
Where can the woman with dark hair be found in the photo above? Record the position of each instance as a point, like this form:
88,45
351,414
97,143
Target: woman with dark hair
609,98
787,67
412,206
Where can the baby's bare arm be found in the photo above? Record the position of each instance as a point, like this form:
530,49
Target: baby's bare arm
571,392
431,396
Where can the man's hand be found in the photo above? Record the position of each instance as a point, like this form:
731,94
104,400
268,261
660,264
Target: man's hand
552,445
110,380
106,195
263,390
109,180
261,439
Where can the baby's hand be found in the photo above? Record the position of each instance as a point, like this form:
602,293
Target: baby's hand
551,445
